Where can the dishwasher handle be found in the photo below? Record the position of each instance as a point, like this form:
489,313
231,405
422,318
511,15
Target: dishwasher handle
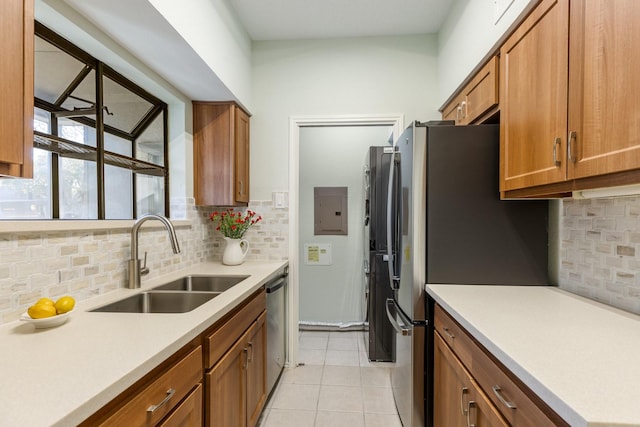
276,284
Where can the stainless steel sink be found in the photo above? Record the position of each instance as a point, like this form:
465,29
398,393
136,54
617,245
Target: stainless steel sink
202,283
159,302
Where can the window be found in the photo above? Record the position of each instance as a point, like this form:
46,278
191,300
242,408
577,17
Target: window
100,142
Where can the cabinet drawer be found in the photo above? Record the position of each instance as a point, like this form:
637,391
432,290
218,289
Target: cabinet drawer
165,392
188,413
227,332
500,385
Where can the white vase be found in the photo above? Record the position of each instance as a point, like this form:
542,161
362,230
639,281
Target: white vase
234,251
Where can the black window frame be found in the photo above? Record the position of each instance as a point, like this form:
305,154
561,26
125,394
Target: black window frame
60,147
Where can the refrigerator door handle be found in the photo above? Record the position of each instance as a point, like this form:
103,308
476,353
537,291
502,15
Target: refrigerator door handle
393,279
403,329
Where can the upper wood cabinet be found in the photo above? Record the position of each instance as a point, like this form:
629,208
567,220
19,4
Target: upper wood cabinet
568,84
533,89
604,59
220,154
16,88
476,98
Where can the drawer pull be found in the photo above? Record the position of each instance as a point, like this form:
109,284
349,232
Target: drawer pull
556,142
169,395
462,393
498,392
250,357
471,405
447,333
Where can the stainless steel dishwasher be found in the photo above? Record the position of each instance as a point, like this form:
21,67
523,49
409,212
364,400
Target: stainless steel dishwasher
276,327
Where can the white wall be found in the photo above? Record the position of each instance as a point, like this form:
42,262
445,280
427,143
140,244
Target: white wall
355,76
214,32
334,157
467,35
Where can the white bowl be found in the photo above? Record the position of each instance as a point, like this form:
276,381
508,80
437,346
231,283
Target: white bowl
47,322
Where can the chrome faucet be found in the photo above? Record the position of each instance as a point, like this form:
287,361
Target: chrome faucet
135,270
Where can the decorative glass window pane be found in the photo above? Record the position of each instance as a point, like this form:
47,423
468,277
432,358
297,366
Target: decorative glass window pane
149,195
76,132
150,144
125,107
117,145
42,121
54,70
78,189
28,198
118,187
83,96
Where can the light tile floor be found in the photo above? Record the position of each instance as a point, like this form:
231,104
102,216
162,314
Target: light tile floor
337,386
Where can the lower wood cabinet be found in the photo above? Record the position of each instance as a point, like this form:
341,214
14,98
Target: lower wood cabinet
231,358
465,372
458,401
164,397
188,413
236,385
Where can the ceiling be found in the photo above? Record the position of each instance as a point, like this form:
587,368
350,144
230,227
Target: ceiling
142,30
312,19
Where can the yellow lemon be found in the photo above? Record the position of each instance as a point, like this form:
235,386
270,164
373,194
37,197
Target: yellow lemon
44,301
64,304
40,311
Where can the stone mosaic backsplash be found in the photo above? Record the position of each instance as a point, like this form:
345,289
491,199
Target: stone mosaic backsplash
600,250
89,263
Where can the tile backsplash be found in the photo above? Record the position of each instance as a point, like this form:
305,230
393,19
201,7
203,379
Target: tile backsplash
600,250
88,263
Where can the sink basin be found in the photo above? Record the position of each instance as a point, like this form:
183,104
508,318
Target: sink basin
202,283
159,302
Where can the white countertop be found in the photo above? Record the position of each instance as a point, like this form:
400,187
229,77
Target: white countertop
581,357
60,376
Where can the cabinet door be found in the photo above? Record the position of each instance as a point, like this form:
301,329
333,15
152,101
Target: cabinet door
188,413
458,401
16,88
533,99
256,370
454,110
242,156
481,94
604,111
225,388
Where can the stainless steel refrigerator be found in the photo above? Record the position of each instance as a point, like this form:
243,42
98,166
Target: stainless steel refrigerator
380,336
446,224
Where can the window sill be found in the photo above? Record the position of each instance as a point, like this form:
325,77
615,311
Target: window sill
39,226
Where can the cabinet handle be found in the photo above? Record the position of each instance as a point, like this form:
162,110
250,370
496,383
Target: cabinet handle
246,357
498,392
463,109
250,356
169,395
458,113
556,142
572,137
447,333
462,393
471,405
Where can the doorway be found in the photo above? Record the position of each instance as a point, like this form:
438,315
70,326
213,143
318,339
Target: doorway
296,259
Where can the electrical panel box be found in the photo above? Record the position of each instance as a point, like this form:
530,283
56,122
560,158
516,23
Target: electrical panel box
330,210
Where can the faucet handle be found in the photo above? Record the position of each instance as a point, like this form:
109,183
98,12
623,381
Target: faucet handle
144,270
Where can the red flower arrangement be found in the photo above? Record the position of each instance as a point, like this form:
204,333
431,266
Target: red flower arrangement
234,224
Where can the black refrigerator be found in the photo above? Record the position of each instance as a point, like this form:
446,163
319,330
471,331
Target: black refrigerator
380,337
447,225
